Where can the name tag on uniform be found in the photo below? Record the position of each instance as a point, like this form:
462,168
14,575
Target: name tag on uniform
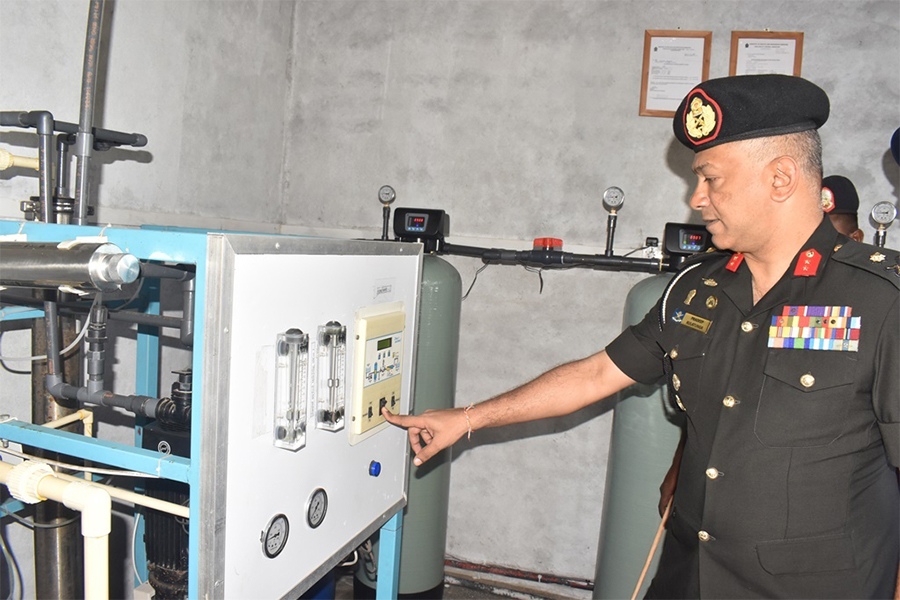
816,328
692,321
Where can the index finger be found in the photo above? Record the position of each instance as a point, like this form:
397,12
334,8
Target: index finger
404,421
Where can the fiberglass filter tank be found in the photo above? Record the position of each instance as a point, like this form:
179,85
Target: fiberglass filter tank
644,438
424,537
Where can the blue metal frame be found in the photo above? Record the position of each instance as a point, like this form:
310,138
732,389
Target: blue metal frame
178,246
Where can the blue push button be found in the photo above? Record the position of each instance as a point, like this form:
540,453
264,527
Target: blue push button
374,468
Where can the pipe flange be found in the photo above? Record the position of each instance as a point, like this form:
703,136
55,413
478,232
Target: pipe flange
24,479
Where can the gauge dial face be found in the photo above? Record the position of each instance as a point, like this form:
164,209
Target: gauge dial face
386,194
316,508
613,197
884,213
275,536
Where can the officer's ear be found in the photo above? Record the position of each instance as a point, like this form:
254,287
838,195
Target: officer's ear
783,176
857,235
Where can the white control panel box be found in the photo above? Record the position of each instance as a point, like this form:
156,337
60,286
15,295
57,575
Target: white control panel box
379,368
310,337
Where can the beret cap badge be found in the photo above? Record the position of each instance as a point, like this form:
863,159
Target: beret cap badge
827,199
701,118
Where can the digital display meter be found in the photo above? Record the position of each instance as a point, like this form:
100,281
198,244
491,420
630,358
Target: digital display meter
416,222
682,239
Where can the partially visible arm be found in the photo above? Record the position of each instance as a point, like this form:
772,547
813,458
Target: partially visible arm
667,487
557,392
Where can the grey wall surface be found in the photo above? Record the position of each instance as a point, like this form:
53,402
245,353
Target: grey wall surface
513,116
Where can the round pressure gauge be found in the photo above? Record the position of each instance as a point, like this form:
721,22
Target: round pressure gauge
613,197
386,194
884,213
275,536
316,508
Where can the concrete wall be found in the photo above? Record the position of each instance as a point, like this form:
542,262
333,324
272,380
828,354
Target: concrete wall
513,116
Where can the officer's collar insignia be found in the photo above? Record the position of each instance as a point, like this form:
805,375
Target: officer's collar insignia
736,259
877,257
838,247
808,263
827,199
702,118
710,282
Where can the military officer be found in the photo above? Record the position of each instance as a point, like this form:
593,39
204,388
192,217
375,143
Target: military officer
784,353
841,202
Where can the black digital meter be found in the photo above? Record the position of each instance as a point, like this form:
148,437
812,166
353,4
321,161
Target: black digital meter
684,239
428,225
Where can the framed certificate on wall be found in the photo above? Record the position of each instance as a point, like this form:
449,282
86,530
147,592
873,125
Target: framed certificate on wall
763,52
674,62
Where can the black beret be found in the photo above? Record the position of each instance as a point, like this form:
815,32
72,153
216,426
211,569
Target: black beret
838,191
730,109
895,145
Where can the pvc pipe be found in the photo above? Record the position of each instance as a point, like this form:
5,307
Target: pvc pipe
79,415
8,160
95,506
135,498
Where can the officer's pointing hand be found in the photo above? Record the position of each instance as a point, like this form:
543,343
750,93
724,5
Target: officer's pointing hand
430,432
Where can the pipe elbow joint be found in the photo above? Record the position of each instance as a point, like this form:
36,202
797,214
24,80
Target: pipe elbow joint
95,505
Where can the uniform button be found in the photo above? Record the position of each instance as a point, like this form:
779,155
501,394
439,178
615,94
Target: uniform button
807,380
712,473
674,353
746,326
703,536
729,401
680,405
676,382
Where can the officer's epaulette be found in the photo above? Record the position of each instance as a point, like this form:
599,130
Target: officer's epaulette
883,262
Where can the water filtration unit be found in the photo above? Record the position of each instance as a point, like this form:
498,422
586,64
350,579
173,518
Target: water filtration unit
272,436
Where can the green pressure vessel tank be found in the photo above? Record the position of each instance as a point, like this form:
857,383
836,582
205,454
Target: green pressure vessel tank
645,434
424,538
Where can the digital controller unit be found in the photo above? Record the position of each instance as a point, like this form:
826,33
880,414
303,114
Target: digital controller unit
683,239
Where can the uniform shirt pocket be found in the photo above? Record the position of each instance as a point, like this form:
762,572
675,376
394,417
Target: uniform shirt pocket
807,555
805,397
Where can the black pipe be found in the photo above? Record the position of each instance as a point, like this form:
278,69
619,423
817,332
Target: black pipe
51,322
555,259
610,233
75,309
105,136
84,139
62,167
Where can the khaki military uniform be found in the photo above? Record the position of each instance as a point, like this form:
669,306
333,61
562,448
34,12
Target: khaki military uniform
788,485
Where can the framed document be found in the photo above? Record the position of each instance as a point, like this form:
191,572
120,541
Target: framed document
761,52
674,62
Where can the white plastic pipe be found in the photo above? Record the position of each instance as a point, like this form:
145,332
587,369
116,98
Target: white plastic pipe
134,498
95,507
8,160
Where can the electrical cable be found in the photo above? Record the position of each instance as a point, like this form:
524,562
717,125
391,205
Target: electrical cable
32,525
540,274
466,295
635,250
12,568
137,520
65,351
71,467
133,297
352,562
